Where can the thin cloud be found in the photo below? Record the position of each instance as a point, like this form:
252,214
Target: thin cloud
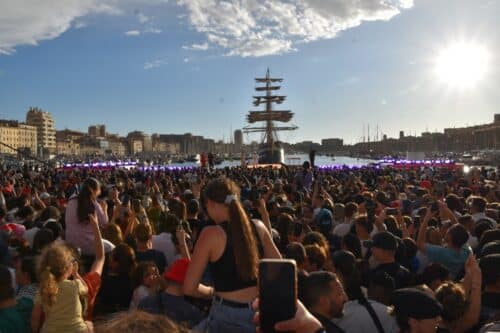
132,33
80,25
196,47
152,31
349,81
154,64
143,18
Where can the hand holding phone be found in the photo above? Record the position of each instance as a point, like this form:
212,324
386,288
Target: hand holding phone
277,292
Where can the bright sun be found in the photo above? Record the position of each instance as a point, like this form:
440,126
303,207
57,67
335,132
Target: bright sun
462,65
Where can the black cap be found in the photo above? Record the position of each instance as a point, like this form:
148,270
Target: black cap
490,248
383,240
416,303
490,266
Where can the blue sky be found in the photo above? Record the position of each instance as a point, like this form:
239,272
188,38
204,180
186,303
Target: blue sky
188,65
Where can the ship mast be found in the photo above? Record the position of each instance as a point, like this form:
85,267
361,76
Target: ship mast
269,116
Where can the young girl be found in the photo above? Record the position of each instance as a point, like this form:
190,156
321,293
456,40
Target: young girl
146,280
59,297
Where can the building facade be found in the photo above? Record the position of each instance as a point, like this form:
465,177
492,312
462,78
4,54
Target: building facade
46,129
331,145
97,131
16,136
238,138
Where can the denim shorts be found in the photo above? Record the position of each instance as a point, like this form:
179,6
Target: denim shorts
227,319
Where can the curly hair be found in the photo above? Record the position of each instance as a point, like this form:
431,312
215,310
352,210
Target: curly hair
139,321
53,264
452,296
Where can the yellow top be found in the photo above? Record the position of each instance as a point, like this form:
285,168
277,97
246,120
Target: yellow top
65,315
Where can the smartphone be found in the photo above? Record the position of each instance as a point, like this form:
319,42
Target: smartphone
416,222
297,229
277,292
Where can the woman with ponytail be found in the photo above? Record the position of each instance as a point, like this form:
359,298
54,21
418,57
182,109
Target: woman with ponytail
58,297
231,249
79,232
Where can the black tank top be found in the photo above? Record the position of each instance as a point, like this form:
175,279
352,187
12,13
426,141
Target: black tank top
224,271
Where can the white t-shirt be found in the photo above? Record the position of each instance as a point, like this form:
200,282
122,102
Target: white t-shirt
357,319
140,293
342,229
482,216
163,242
29,235
473,241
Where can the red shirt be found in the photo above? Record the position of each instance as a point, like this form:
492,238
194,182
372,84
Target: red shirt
93,281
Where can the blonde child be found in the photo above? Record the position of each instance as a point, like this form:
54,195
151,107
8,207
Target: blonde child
146,280
59,297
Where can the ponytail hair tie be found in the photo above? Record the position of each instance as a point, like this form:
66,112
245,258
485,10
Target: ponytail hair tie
230,198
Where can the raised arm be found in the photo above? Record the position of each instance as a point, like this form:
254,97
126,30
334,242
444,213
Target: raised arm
421,239
264,214
446,213
98,264
473,276
181,238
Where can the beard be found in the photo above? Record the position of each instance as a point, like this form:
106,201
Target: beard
336,313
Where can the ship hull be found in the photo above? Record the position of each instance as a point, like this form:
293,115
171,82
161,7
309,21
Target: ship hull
268,156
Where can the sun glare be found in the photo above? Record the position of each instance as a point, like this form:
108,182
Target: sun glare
462,65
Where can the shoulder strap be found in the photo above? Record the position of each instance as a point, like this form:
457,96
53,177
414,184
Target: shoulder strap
372,313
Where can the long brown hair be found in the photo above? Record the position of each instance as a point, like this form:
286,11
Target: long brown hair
240,232
86,199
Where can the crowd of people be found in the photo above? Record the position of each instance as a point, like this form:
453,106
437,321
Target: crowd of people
376,249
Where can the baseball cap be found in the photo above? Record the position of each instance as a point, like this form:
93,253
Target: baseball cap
324,219
44,196
383,240
490,248
177,272
490,266
416,303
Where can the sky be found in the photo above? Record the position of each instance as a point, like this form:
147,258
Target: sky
177,66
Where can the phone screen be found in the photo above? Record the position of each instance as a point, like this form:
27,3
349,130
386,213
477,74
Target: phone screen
277,292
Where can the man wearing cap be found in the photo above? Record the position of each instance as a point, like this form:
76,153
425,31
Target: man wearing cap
383,246
171,300
416,310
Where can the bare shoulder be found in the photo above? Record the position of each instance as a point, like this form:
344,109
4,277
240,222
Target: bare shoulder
210,233
261,227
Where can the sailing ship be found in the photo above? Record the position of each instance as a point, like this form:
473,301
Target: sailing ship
270,150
